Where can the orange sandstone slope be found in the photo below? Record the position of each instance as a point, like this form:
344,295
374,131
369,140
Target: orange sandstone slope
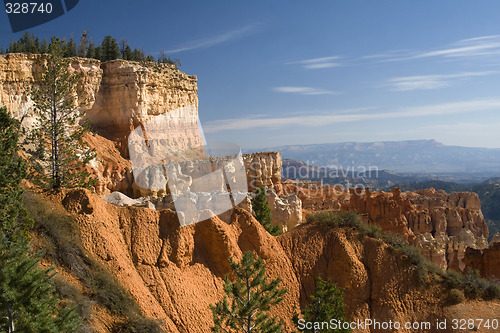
175,273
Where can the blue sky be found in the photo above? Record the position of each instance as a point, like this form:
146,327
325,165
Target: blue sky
273,73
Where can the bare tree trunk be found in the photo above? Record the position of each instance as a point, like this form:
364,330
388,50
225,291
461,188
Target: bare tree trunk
56,175
10,318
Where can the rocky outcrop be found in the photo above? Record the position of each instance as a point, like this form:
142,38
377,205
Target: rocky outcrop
20,71
375,281
420,212
286,211
442,225
174,273
438,213
486,261
119,95
131,93
386,210
449,252
263,169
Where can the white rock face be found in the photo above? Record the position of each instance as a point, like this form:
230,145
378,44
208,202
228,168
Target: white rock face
286,211
449,251
119,94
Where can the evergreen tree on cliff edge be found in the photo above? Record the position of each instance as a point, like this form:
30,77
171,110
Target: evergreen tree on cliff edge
57,111
250,298
262,211
327,303
27,295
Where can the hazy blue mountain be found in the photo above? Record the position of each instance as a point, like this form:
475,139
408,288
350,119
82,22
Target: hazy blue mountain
415,157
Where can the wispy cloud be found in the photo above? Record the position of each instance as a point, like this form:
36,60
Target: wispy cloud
354,115
317,63
425,82
214,40
304,91
472,47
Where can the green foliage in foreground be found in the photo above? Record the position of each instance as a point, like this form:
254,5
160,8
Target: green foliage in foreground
28,302
327,303
59,231
470,283
262,211
61,152
250,298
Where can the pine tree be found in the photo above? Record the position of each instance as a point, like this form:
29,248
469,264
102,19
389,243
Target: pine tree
12,47
262,211
110,49
123,47
44,47
70,49
127,54
138,55
57,112
98,52
250,298
327,303
82,47
91,50
27,294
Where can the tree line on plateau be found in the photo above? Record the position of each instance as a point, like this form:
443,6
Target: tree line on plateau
108,49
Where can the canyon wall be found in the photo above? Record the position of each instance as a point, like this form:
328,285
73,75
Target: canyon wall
174,273
442,225
117,95
121,96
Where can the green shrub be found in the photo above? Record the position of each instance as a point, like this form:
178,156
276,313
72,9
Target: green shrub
455,296
453,279
59,228
492,292
139,325
473,284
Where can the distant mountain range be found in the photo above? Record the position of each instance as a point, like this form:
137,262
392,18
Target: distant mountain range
421,158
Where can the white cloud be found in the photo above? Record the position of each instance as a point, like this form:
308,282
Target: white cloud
209,42
342,116
317,63
422,82
304,91
471,48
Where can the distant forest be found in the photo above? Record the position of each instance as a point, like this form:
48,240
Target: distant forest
108,49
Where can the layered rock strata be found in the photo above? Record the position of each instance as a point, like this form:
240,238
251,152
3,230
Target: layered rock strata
117,95
174,273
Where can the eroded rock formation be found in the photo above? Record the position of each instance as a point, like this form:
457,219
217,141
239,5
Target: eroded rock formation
486,260
174,273
119,95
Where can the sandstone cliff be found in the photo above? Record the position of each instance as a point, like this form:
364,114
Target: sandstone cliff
122,96
442,225
119,95
175,272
